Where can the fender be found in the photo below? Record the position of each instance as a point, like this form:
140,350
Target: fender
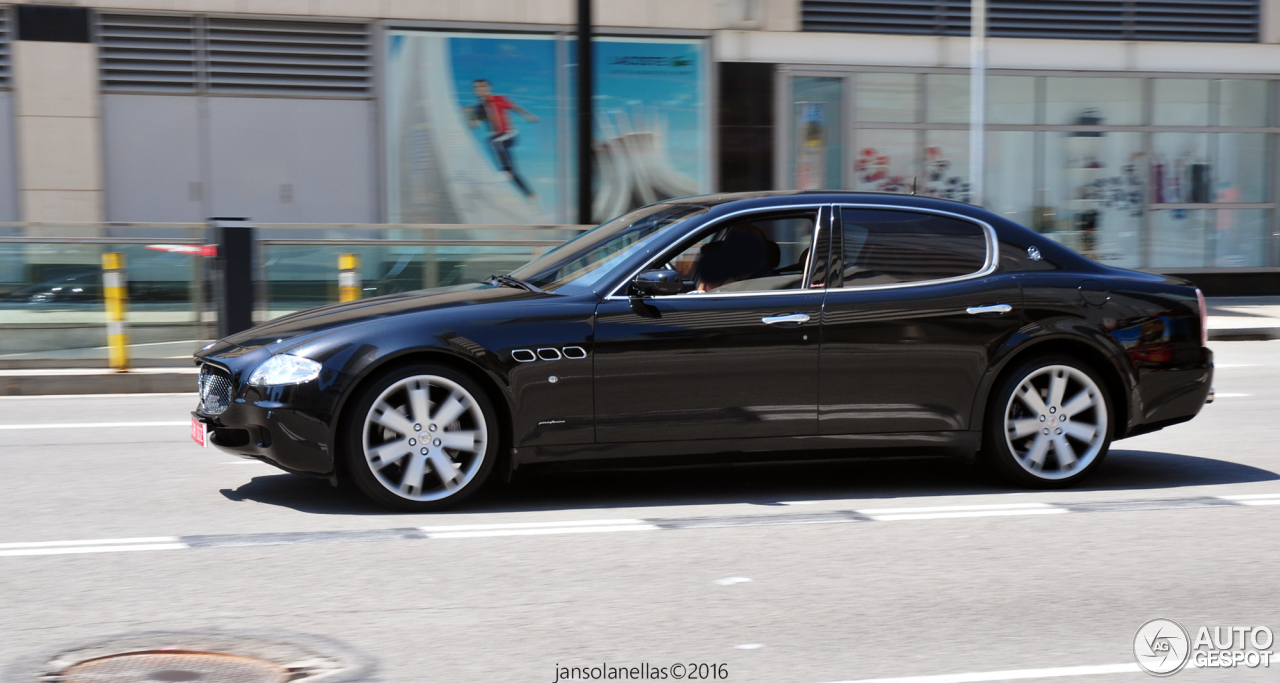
1045,333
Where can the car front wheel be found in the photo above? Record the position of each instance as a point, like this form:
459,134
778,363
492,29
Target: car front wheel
421,438
1049,423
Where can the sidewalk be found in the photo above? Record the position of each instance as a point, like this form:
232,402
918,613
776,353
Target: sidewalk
1230,319
1244,318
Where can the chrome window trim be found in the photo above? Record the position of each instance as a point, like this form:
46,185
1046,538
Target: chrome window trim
613,294
988,267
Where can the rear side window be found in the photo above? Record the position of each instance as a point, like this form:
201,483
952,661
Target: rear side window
884,247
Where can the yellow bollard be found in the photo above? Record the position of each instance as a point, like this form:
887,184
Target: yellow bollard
348,277
116,293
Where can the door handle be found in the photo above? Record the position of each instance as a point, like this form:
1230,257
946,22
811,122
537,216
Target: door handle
792,319
998,309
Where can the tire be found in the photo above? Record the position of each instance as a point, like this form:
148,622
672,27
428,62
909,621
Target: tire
1036,439
410,422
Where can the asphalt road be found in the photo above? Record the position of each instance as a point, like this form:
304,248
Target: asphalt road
794,573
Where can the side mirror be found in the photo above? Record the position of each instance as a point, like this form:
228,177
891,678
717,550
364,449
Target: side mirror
657,283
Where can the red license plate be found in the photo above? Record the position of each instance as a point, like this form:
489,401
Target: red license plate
199,432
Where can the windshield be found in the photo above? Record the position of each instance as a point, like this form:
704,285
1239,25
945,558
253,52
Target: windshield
585,260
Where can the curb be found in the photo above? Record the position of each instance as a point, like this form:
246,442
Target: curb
89,382
1245,334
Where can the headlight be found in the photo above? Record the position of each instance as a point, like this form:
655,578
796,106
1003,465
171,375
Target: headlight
284,369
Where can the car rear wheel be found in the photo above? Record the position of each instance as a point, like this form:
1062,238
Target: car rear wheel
1049,423
421,438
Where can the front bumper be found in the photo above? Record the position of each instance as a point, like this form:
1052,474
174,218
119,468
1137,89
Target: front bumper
290,437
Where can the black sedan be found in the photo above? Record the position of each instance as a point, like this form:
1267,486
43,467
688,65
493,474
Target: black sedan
721,325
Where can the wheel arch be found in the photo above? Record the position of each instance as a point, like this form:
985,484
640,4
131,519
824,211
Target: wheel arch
1117,377
490,384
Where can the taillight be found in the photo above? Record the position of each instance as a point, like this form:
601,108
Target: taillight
1204,319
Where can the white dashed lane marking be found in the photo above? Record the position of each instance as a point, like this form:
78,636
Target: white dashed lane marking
597,526
1011,675
97,425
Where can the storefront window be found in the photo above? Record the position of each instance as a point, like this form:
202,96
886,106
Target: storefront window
1242,103
947,98
1009,180
887,160
1011,100
946,165
1178,238
1094,194
816,137
888,98
1180,169
1136,172
1242,167
1180,102
1093,101
1239,238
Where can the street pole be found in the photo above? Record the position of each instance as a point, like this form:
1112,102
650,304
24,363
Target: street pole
977,99
586,97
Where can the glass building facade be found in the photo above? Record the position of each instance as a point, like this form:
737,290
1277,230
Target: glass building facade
1151,171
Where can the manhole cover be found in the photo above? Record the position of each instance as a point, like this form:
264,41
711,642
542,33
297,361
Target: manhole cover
149,667
198,657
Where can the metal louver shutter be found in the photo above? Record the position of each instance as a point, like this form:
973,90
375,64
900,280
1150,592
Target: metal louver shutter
1234,21
154,53
1087,19
6,34
287,57
888,16
1189,20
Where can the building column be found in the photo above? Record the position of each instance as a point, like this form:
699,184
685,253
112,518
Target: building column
1269,21
58,120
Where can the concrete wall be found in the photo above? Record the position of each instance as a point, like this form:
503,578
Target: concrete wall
773,15
58,131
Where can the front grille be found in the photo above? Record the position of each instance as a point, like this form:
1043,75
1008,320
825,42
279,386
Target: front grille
215,390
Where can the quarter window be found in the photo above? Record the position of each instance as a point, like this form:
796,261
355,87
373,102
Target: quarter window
884,247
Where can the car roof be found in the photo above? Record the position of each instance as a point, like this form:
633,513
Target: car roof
786,197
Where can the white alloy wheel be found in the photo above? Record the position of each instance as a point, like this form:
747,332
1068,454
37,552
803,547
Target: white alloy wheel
1055,422
425,438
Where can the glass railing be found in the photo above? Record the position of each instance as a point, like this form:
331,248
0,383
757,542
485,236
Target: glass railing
51,284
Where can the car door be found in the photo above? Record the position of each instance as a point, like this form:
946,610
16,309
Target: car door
733,355
914,312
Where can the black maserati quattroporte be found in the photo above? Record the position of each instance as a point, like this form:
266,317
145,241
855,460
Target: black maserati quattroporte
720,325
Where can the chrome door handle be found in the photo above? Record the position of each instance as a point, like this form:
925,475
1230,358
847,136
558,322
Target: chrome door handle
792,319
998,309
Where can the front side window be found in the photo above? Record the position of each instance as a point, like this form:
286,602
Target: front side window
886,247
766,253
584,261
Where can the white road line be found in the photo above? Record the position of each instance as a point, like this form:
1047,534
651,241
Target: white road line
1254,498
94,549
1011,675
542,532
954,508
960,511
66,396
100,545
97,425
961,515
1219,366
1216,396
98,541
516,526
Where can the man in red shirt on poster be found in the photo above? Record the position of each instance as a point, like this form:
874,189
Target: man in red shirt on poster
492,109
